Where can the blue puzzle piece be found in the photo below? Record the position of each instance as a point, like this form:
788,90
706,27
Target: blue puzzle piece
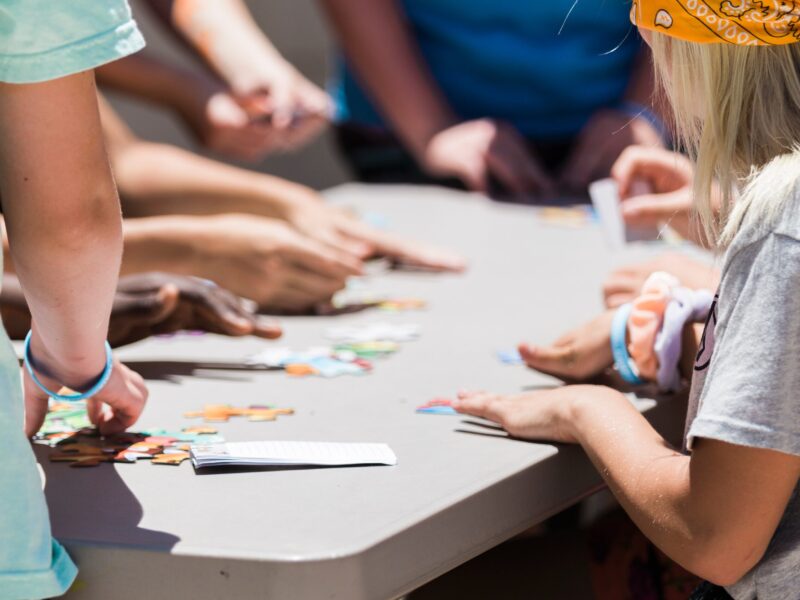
510,357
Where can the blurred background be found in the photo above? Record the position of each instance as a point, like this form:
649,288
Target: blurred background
297,29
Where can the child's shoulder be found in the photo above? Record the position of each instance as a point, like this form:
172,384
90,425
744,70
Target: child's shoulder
771,205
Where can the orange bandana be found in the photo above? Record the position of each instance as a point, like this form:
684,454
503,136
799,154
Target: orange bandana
740,22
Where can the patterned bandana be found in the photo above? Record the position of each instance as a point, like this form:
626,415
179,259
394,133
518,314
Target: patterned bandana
739,22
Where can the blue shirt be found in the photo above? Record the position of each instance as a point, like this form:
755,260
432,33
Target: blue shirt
528,63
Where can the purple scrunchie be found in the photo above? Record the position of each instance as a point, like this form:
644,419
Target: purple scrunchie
686,306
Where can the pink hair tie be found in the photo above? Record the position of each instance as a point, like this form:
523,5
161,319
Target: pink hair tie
645,321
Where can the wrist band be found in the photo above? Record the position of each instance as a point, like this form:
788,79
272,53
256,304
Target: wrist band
101,382
619,349
640,111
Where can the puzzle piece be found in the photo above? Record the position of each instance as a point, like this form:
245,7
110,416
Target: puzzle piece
220,413
322,361
437,406
87,448
171,458
402,304
200,430
574,217
82,455
365,350
374,332
510,357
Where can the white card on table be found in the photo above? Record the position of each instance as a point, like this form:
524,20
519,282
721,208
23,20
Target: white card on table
605,198
281,453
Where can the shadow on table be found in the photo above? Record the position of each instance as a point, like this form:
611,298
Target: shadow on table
95,506
232,470
171,370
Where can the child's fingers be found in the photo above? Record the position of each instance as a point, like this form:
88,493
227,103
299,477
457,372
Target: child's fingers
617,300
94,410
478,404
555,360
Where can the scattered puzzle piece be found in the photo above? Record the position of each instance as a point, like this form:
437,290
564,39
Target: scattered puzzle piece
402,304
321,361
575,217
200,430
375,332
437,406
172,458
510,357
220,413
85,447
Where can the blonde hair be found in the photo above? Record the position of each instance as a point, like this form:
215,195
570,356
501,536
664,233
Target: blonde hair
737,113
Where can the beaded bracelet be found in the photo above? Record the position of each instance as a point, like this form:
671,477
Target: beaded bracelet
92,391
619,349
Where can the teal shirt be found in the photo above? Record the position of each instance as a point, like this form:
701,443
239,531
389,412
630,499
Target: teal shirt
42,40
525,62
46,39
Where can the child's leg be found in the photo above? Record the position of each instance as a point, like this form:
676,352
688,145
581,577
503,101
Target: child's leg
32,564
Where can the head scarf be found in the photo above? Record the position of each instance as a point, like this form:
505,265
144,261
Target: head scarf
739,22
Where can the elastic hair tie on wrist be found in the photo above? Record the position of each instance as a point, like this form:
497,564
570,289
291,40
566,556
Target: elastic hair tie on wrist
619,349
92,391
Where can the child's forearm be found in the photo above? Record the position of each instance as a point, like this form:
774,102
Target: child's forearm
228,38
63,220
159,244
677,508
159,82
379,43
157,179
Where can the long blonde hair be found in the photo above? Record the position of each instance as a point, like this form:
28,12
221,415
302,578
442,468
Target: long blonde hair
737,113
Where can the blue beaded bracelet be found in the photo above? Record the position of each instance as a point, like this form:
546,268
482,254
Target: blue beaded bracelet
619,347
92,391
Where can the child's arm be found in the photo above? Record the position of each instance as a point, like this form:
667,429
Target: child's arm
225,35
63,220
713,513
158,179
380,45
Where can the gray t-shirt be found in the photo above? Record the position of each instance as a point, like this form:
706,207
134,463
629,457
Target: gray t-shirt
746,383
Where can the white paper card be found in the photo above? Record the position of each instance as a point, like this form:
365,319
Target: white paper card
605,198
281,453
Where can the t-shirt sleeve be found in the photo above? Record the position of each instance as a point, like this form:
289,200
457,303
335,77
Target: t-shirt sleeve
42,40
751,395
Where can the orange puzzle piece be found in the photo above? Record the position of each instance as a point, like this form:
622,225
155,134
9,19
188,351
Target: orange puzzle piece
220,413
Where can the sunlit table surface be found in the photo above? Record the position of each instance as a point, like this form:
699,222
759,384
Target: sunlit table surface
144,531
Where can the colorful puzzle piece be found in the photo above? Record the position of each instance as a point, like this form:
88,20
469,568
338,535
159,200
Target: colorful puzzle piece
402,304
85,447
322,361
170,458
374,332
437,406
574,217
510,357
220,413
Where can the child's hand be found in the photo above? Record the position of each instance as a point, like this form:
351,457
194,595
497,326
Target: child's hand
265,260
623,285
669,176
477,151
307,212
157,303
539,415
578,355
125,394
